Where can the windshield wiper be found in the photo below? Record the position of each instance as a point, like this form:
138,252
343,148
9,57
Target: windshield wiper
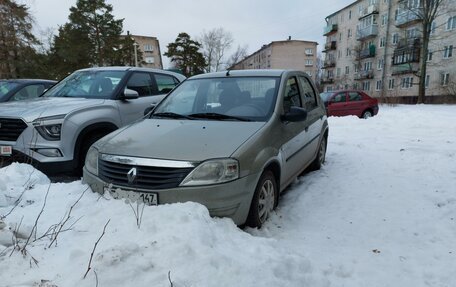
170,115
216,116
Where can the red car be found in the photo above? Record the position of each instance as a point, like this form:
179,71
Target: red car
349,103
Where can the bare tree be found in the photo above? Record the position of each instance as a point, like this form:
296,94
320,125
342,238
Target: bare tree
237,56
427,11
215,43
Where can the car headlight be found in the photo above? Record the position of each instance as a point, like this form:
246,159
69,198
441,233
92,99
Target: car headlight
213,172
50,132
49,128
91,161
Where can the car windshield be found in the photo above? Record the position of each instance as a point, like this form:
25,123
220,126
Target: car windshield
6,87
87,84
325,96
233,98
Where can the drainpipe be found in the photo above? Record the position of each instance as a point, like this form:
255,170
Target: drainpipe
390,7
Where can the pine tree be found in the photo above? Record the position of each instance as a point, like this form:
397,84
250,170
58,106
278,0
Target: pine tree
90,38
184,53
16,40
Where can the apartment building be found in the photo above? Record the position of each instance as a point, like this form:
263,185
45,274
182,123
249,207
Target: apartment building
150,48
288,54
375,46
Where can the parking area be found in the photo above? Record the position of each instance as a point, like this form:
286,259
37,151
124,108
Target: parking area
381,212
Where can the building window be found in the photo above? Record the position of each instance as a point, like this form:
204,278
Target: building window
309,62
347,52
149,60
347,70
426,81
448,52
380,64
384,19
349,33
367,66
338,72
356,68
340,36
395,38
433,27
407,82
366,86
444,79
429,57
339,54
451,24
148,48
390,84
308,73
378,87
382,42
350,14
309,52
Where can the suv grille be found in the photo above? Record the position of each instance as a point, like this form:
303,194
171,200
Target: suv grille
11,129
148,177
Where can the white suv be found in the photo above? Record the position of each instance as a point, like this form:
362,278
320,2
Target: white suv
55,131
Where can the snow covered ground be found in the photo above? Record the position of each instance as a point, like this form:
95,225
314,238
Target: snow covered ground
381,212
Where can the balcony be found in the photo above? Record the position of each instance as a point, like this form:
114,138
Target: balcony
329,64
330,46
327,80
332,28
369,10
366,32
408,68
408,43
366,53
408,17
363,75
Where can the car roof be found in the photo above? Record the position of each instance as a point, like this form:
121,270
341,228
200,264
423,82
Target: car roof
244,73
128,68
28,81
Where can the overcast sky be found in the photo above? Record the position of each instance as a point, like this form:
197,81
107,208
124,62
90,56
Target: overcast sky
252,22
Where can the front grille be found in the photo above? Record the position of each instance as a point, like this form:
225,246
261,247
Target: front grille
11,129
147,177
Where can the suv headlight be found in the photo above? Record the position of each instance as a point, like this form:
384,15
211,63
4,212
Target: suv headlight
49,128
213,172
91,161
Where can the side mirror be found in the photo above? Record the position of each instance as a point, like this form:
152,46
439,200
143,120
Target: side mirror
149,109
130,94
296,114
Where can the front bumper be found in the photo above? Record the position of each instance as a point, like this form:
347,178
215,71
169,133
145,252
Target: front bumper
231,199
48,168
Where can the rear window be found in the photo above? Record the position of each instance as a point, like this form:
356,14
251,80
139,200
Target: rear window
325,96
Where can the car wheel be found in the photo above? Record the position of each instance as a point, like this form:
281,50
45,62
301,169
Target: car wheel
264,200
367,114
321,156
83,152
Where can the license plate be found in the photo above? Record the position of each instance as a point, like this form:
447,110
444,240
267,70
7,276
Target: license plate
6,150
147,198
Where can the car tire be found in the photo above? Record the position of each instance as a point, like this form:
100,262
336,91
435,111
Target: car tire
321,156
367,114
264,200
83,151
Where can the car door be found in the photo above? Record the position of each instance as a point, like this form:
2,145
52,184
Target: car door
356,103
337,105
294,135
315,117
145,84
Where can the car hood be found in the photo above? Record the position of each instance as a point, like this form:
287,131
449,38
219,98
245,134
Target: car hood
30,110
188,140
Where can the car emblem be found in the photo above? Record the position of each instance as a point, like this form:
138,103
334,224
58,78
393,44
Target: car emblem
131,175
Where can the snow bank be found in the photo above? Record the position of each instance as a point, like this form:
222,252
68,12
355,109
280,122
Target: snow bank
381,212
